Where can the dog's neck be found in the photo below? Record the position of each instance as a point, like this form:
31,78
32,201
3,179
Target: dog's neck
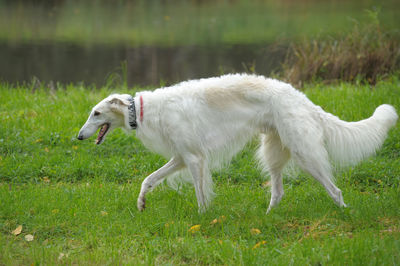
132,113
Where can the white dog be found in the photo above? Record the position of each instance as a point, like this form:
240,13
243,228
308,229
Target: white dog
200,124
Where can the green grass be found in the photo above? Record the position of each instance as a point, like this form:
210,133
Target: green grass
78,200
175,23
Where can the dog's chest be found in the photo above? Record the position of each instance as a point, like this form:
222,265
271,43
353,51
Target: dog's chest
154,141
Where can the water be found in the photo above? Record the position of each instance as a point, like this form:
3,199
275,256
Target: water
64,41
147,65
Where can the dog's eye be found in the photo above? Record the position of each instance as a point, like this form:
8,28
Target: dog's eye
96,113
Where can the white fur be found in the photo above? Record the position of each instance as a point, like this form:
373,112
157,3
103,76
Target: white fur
201,124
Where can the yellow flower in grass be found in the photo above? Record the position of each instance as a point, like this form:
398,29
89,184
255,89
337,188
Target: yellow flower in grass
194,228
169,224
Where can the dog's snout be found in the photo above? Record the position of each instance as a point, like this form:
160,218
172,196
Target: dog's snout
80,137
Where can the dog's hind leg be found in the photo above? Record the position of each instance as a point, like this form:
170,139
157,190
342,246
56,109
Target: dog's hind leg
305,141
156,178
202,179
274,155
315,161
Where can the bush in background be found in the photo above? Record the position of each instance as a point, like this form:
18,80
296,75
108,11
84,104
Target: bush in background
365,53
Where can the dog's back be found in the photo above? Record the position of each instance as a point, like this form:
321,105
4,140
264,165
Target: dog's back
216,116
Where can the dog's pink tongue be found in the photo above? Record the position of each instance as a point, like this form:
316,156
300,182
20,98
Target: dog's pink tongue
98,139
103,130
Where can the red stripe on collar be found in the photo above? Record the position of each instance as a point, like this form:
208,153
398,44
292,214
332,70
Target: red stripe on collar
141,109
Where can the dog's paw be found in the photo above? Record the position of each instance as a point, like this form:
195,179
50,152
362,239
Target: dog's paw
141,204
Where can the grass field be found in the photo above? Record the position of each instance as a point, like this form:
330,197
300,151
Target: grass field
76,201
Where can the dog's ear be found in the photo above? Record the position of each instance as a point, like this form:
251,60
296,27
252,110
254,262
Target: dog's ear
117,104
118,101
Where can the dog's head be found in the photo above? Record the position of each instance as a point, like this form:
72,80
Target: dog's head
110,113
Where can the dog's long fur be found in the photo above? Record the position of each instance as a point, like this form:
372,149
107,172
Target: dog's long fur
200,124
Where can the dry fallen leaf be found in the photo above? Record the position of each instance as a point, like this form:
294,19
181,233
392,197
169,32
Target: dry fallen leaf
104,213
29,238
31,113
390,230
218,220
17,230
169,223
46,179
194,228
61,256
255,231
46,149
266,184
214,221
259,244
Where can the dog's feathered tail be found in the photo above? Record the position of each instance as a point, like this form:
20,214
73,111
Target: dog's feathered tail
350,142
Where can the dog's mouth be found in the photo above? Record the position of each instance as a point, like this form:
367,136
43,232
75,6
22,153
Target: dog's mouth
103,131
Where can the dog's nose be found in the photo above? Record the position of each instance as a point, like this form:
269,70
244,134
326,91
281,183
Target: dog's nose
80,137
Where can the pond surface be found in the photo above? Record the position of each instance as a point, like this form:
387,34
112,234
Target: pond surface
147,65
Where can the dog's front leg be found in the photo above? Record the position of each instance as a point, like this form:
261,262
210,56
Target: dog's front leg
156,178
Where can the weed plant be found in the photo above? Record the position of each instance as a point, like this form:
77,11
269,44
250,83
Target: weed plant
365,54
